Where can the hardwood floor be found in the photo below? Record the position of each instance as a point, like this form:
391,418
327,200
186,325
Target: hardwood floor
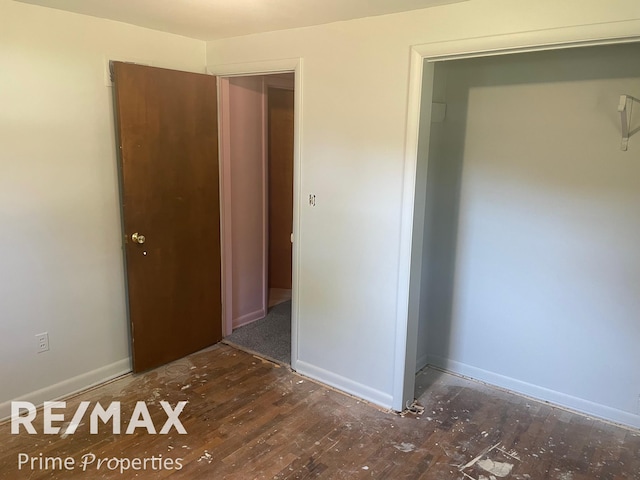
247,418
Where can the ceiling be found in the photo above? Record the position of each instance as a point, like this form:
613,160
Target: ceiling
214,19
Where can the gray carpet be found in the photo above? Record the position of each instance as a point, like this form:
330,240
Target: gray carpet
270,336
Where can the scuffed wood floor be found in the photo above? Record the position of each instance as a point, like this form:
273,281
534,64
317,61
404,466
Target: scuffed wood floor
250,419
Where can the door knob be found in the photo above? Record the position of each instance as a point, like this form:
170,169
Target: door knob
137,238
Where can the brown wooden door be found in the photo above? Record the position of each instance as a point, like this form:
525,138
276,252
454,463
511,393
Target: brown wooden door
280,184
167,129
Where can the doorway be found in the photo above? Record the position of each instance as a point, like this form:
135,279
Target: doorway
257,160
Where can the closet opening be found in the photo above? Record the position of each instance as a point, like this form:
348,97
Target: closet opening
529,217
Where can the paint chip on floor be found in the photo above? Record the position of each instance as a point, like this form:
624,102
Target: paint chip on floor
206,456
405,447
499,469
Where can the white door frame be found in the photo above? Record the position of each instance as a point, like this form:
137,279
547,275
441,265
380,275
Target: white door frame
263,68
415,169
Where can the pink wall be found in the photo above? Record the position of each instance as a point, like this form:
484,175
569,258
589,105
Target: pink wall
245,200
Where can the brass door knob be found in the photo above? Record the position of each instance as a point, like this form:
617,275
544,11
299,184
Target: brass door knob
137,238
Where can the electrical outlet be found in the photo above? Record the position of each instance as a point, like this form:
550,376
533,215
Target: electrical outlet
43,342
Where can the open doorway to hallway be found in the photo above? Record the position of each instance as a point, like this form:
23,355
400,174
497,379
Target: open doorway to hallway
257,147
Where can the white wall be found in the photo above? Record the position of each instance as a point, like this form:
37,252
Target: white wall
60,245
354,79
533,262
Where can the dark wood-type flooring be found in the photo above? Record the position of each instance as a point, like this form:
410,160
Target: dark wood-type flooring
250,419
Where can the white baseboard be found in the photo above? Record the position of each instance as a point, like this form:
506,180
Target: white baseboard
70,386
541,393
346,385
249,318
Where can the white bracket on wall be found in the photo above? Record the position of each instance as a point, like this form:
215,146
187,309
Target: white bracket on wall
624,108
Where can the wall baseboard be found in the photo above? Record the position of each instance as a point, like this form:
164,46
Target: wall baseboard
563,400
249,318
70,386
369,394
